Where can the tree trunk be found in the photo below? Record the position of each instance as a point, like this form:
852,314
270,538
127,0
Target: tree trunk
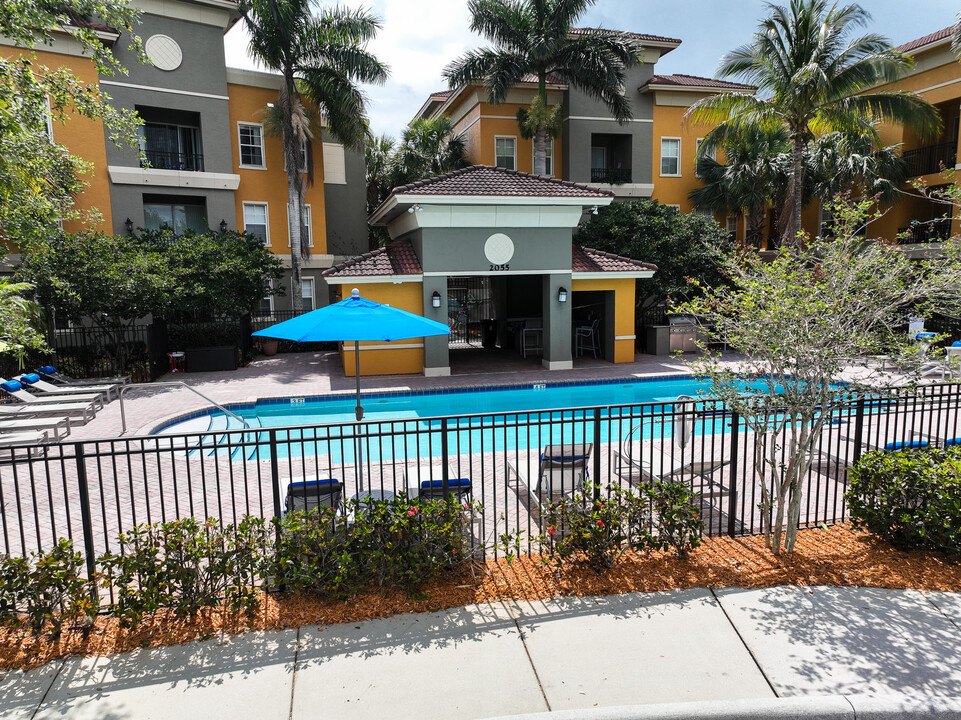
755,228
793,226
540,135
294,193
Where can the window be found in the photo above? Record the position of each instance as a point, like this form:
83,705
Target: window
732,227
255,221
335,170
549,159
505,152
267,302
671,157
709,214
48,116
177,214
826,221
697,154
309,238
307,293
251,145
303,159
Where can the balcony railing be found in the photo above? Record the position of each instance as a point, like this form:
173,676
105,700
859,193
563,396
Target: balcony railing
931,158
163,160
610,175
937,231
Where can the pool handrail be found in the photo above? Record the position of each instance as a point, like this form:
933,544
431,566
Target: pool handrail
181,383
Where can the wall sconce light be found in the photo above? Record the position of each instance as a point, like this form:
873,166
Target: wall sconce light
415,208
435,299
128,223
223,226
562,294
594,210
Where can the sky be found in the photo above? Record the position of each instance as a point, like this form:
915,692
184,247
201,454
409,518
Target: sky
419,37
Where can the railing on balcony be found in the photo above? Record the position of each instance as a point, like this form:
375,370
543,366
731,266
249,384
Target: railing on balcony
931,158
164,160
610,175
936,231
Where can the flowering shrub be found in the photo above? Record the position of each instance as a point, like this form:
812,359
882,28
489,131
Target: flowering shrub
911,498
47,589
675,518
580,526
312,554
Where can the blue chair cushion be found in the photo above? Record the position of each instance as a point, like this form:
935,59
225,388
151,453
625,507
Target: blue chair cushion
11,386
322,485
452,483
956,343
563,458
48,370
953,441
925,335
29,378
911,445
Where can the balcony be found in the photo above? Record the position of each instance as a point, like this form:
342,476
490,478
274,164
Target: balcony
931,158
167,160
928,232
610,175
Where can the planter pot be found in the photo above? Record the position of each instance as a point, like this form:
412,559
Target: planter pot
269,347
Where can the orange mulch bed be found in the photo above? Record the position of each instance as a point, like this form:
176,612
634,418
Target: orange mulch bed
838,555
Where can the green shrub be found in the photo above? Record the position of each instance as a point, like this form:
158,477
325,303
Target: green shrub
595,530
312,554
676,518
186,565
409,542
47,588
911,498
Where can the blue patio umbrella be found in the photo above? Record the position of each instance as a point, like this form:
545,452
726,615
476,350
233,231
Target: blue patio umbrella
355,319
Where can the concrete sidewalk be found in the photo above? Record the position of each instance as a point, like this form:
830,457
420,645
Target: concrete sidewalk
528,657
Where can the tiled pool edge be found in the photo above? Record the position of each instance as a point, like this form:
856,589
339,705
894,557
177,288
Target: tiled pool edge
379,394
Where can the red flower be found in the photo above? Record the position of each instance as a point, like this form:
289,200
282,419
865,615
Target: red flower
696,516
600,523
412,511
550,531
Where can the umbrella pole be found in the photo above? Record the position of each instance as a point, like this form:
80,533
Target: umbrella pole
359,412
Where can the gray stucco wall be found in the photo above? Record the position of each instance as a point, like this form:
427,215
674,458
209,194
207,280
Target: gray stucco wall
345,206
461,250
576,139
127,201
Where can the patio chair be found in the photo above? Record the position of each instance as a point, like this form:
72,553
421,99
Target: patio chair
668,462
50,373
36,382
585,338
28,445
563,469
15,390
312,494
427,481
55,427
84,411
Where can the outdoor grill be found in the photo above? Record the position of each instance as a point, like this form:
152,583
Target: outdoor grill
683,332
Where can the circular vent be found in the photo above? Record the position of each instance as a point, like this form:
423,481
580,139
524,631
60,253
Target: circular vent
164,52
499,249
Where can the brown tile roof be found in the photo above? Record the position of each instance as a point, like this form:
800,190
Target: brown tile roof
441,94
80,21
396,258
678,80
636,36
942,34
486,180
588,260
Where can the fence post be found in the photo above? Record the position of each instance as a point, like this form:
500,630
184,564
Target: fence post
86,522
597,453
444,468
858,429
275,478
732,498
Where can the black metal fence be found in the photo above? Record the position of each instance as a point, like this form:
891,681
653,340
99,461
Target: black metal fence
90,491
931,158
91,352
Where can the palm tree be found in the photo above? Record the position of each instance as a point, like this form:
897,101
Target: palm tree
429,147
956,37
844,163
534,38
321,59
748,182
810,75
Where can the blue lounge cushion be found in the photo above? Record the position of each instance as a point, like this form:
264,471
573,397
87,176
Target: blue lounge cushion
925,335
952,441
956,343
910,445
11,386
452,483
563,458
309,487
29,378
47,370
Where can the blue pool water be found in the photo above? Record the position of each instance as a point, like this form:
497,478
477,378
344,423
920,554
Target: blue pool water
503,420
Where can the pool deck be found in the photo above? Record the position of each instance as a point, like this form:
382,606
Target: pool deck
313,374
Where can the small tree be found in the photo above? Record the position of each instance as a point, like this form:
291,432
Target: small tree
801,320
680,246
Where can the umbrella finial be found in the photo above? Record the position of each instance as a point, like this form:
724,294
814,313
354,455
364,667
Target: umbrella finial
355,293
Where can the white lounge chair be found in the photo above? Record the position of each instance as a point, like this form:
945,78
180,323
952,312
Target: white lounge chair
85,411
28,441
13,388
55,427
35,382
557,470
